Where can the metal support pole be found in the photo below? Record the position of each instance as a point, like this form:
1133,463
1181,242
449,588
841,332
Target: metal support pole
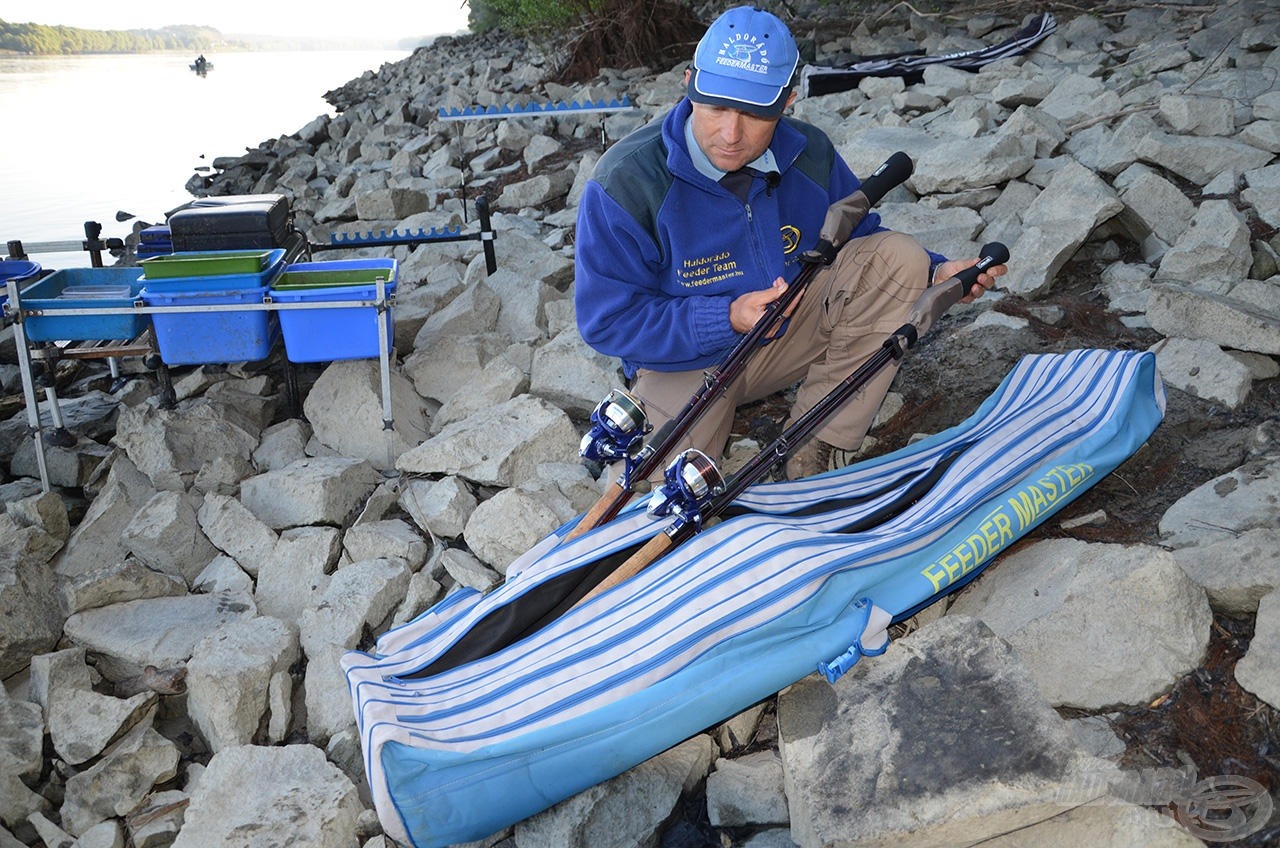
486,234
28,385
93,242
384,372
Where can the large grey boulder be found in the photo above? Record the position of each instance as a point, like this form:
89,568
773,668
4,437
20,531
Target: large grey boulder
318,490
1224,319
171,446
238,681
159,632
1056,223
608,814
297,571
1214,247
1225,507
251,795
345,408
117,783
99,538
1073,611
28,594
942,740
1259,669
498,446
166,536
237,532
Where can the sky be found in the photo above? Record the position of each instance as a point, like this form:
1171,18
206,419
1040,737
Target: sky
383,19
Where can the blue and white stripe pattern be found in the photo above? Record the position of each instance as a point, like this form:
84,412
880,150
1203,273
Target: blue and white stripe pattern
740,611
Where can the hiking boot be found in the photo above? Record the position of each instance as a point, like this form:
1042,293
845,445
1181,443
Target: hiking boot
813,457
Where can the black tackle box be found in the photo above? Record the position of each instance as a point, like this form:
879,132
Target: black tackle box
232,222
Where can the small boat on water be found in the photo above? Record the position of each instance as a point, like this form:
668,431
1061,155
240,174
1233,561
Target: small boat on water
201,66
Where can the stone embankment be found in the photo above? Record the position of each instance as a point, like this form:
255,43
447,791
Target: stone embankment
175,608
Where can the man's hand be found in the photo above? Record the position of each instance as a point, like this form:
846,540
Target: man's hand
985,282
747,309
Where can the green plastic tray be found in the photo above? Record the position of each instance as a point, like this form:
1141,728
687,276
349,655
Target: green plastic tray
208,264
294,280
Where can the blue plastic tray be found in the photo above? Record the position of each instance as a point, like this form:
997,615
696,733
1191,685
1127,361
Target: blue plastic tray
18,269
46,295
199,338
325,335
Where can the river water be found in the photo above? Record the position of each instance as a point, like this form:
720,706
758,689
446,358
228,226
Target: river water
84,137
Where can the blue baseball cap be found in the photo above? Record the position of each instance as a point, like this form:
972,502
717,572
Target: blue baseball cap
746,60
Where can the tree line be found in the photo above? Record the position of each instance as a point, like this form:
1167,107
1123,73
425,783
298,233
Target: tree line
46,39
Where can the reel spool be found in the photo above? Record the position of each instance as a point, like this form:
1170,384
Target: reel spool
692,480
618,423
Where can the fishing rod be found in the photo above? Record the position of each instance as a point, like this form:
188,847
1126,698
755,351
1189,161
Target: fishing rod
619,423
695,491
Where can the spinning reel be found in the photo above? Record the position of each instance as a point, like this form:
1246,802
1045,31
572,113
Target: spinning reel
618,424
692,480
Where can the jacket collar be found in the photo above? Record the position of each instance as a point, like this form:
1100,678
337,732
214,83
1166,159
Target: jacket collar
787,145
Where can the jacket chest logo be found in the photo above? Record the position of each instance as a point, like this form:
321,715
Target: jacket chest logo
790,238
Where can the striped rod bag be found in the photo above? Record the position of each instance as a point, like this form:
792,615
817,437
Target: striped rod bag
806,576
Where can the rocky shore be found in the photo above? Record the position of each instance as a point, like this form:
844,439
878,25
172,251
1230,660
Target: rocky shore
174,610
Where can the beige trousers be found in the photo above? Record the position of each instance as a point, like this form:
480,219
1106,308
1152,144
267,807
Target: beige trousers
843,318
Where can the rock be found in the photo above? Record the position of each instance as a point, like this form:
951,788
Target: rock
115,584
1055,224
297,572
994,765
237,532
483,448
466,570
223,575
165,535
251,794
1225,507
747,791
607,813
282,444
170,446
310,491
1071,609
117,783
1203,369
82,723
468,357
1236,571
392,538
1257,670
508,524
972,163
1224,320
158,632
439,507
238,681
359,596
345,408
99,537
1214,247
499,382
21,738
28,595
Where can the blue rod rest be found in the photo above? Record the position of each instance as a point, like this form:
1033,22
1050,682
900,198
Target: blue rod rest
434,234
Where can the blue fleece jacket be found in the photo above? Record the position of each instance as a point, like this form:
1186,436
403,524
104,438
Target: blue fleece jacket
662,250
